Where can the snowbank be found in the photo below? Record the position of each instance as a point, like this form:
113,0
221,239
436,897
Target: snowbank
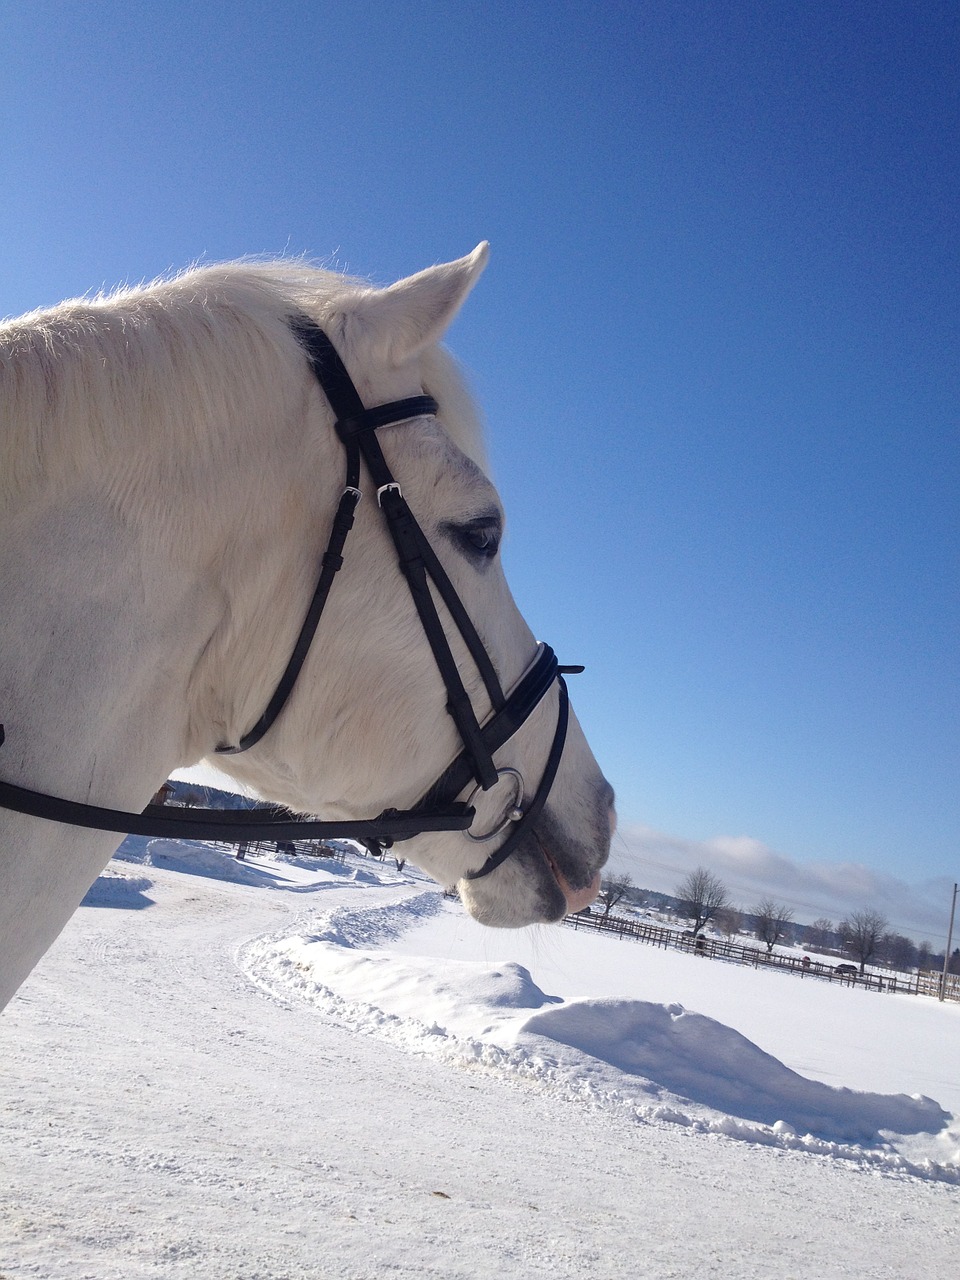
660,1062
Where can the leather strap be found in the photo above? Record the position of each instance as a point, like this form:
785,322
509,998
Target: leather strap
227,826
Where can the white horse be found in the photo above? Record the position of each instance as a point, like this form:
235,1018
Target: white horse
168,473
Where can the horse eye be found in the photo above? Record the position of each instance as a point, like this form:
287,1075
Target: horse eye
483,540
479,539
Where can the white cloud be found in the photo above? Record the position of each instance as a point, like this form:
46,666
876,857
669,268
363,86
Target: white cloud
751,870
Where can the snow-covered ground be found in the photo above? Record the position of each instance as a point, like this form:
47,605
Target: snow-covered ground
263,1071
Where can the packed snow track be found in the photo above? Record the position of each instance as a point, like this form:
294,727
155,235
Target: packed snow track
261,1071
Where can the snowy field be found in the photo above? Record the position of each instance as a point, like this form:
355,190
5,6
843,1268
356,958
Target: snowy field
263,1071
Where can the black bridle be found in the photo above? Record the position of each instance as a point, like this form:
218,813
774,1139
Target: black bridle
438,810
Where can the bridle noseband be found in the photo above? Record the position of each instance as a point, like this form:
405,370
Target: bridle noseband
438,809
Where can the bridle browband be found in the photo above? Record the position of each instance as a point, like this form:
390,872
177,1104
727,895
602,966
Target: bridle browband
438,810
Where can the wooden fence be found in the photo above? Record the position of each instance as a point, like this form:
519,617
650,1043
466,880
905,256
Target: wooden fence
927,984
288,848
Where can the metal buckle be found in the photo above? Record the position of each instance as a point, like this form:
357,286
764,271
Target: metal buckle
383,489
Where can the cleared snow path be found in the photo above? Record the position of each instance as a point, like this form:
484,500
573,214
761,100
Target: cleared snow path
162,1116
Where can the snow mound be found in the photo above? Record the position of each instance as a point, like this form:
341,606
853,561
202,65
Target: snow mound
190,857
659,1062
263,871
114,889
698,1058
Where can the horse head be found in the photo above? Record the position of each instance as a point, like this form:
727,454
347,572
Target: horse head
367,724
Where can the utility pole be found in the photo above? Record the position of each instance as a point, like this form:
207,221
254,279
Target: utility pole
946,958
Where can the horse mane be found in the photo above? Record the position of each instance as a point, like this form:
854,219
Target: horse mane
176,371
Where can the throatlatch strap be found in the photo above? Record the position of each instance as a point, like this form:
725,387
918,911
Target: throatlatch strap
331,565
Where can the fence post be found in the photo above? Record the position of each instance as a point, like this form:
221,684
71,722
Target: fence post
946,957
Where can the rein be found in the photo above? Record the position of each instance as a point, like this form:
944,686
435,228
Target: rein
438,810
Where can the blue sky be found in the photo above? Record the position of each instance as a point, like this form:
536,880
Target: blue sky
717,345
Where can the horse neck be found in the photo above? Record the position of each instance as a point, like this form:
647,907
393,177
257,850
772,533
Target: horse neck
97,642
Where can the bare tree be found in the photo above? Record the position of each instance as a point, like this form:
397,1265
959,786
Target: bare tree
612,890
771,920
862,935
924,956
821,934
701,896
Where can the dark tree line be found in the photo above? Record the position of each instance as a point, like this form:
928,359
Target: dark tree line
864,936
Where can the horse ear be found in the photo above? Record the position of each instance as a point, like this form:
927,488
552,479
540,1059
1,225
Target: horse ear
415,312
